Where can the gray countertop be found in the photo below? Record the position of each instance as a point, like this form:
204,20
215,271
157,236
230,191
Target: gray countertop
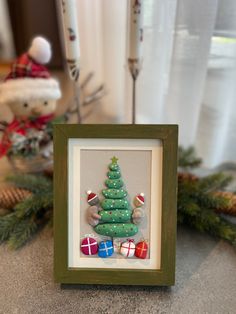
205,282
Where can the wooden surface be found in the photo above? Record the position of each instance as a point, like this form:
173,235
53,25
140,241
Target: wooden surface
166,275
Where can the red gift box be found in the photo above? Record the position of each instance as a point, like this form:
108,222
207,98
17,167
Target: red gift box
89,246
141,249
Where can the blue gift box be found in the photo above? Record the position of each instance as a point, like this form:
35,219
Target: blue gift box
105,248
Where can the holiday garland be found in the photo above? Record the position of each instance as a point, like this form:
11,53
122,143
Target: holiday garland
200,203
29,215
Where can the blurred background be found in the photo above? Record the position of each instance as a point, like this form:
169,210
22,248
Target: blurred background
189,66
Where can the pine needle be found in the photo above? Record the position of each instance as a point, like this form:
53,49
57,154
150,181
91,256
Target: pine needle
34,204
212,201
209,222
22,233
197,203
187,158
7,224
33,183
216,181
30,214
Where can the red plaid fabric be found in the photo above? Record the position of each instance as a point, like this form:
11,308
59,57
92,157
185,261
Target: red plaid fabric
25,66
20,127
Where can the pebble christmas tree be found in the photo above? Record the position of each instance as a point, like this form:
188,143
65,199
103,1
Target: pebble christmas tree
116,212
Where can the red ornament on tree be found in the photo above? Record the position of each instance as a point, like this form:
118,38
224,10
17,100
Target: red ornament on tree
89,246
141,249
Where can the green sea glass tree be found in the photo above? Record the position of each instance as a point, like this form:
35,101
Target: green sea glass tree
116,213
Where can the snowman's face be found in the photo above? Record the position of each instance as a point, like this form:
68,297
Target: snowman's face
33,108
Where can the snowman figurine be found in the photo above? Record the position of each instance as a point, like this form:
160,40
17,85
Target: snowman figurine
138,212
31,94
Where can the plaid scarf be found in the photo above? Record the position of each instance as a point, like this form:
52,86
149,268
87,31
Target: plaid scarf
21,127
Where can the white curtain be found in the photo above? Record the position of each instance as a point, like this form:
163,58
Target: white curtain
189,68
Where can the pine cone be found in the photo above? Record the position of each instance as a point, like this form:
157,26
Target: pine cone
230,208
4,211
186,176
11,196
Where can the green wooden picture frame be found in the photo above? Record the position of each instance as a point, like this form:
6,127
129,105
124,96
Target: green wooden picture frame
165,276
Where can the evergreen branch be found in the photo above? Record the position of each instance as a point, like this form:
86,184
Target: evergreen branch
34,204
33,183
190,209
7,224
44,217
198,201
22,232
209,200
187,158
202,186
229,205
210,222
216,181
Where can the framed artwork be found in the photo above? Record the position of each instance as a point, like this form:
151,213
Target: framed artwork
115,204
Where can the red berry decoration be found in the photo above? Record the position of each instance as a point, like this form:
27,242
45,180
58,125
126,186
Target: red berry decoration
72,36
141,250
89,246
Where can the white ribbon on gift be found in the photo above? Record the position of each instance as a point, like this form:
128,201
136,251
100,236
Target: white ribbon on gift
106,248
89,235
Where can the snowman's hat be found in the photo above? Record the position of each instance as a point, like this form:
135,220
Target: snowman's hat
28,78
140,198
91,196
